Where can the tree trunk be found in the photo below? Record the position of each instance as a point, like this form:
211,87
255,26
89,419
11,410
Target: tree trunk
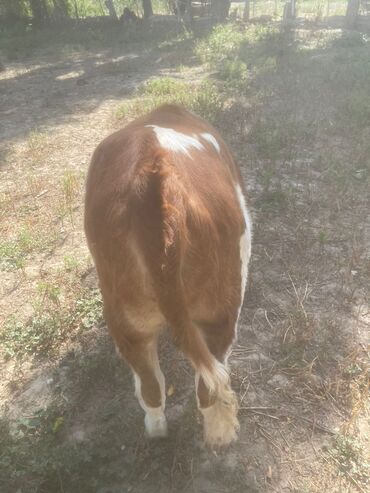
61,9
111,9
40,12
289,11
220,9
12,9
148,9
353,7
293,4
247,10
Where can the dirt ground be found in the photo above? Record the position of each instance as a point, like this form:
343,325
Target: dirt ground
300,130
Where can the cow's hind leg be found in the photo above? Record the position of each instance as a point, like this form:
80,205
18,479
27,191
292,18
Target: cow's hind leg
150,387
140,351
219,414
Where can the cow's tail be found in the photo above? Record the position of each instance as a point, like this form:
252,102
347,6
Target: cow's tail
161,229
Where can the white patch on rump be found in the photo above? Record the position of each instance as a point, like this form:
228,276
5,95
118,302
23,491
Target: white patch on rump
245,242
212,140
175,141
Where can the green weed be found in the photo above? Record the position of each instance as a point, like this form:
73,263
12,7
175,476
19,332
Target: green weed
14,252
272,200
222,44
203,98
71,263
71,182
36,143
32,457
349,456
229,49
51,323
276,139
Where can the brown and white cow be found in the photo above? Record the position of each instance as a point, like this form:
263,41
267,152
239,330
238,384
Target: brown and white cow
168,227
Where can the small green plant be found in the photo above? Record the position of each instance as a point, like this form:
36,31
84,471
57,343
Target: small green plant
71,263
229,42
14,252
222,44
70,187
323,237
277,139
49,291
36,140
89,309
31,452
235,72
203,98
349,456
273,201
51,323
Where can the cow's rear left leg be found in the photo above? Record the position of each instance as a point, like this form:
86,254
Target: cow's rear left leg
140,351
150,387
219,413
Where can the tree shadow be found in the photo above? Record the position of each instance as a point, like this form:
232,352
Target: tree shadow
74,78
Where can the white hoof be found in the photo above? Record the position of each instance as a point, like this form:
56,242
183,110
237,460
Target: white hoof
155,423
220,424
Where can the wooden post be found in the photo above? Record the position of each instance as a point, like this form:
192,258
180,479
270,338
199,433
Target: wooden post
247,11
289,11
148,9
293,8
353,7
111,9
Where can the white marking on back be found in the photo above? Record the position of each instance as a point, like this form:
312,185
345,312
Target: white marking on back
212,140
245,243
176,141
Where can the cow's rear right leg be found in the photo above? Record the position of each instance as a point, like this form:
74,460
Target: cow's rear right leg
219,410
139,350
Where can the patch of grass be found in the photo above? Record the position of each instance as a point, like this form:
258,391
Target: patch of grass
14,252
203,98
349,456
71,263
33,458
322,237
222,44
36,144
350,39
71,185
235,72
272,200
356,110
230,49
51,323
355,381
274,139
344,179
298,335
